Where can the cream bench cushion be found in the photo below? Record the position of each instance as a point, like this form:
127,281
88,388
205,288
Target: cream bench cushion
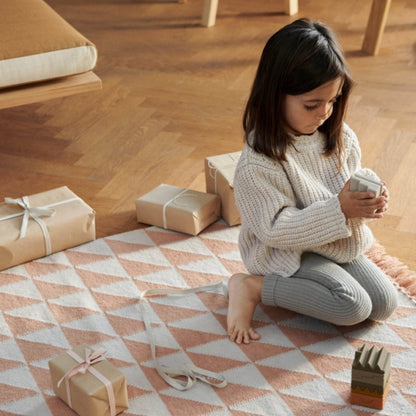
37,44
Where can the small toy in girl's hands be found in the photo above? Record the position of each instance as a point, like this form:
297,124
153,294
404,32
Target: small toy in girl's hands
364,183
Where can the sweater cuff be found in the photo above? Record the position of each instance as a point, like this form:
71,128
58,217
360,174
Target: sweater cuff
339,218
329,224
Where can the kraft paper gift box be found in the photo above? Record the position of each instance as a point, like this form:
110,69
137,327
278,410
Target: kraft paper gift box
178,209
88,383
37,225
219,178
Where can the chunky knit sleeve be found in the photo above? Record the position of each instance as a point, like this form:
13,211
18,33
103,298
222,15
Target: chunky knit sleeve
352,149
267,204
353,154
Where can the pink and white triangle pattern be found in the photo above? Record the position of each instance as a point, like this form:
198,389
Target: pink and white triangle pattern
90,293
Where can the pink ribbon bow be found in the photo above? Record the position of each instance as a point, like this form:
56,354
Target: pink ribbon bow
82,367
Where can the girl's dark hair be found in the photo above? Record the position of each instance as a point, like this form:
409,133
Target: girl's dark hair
297,59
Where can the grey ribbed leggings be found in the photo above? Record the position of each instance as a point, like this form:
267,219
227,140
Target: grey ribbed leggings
343,294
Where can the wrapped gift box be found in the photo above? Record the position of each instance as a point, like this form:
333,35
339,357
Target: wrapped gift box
42,224
178,209
219,177
98,389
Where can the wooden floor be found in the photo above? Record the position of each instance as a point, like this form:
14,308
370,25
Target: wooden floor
173,93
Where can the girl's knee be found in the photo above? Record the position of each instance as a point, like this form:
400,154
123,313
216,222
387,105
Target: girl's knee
359,306
384,308
352,317
353,309
382,292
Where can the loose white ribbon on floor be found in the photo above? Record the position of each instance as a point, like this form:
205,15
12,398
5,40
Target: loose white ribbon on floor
191,372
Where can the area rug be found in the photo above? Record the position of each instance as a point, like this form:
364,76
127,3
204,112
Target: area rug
300,366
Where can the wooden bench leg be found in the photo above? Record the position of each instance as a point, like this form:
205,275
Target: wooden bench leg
375,26
209,13
291,7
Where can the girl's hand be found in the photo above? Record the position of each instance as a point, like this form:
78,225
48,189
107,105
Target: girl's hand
362,204
386,195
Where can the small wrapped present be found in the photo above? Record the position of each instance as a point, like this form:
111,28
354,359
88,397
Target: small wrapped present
178,209
219,178
88,383
41,224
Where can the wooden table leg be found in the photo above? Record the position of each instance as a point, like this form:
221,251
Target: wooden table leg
209,13
291,7
375,26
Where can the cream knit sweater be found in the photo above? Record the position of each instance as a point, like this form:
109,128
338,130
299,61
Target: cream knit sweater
291,207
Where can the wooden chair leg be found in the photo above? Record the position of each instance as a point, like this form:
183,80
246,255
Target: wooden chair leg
375,26
209,13
291,7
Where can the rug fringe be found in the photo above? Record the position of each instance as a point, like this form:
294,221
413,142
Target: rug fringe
399,273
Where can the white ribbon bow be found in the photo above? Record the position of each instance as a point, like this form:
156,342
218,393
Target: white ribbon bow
31,212
35,213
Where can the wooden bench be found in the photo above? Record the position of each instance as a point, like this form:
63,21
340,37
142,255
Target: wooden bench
41,55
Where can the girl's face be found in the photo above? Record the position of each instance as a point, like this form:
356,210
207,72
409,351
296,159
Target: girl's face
304,113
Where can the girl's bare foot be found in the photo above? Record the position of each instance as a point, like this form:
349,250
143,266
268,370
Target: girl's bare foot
244,291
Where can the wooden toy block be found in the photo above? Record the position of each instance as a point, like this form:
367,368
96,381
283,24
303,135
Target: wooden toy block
367,401
369,398
370,377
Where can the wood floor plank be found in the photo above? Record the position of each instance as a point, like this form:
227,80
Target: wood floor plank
173,93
